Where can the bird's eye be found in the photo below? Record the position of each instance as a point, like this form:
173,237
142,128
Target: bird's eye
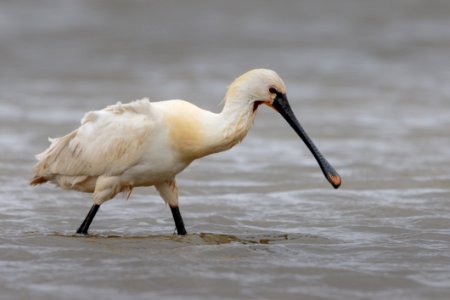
272,90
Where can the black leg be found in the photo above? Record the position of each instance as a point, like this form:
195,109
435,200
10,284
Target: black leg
88,220
178,220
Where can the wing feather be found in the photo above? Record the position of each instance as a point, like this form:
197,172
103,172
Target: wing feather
108,142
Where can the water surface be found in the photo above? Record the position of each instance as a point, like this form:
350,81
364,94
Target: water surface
368,81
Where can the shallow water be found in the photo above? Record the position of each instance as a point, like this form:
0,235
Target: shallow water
369,82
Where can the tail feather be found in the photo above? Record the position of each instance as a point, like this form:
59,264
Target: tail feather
38,180
46,160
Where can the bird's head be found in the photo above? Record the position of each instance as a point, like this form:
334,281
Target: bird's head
262,86
256,87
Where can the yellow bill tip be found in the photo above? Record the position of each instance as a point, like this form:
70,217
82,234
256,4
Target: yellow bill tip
335,180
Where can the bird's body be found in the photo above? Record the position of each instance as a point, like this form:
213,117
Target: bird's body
145,143
136,144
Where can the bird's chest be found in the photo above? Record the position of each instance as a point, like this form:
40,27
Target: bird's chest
159,163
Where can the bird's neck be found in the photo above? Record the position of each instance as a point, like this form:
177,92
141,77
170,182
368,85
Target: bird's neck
231,125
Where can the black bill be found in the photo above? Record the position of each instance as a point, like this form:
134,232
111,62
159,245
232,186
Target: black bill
281,105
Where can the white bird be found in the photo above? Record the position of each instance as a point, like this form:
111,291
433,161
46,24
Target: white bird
145,143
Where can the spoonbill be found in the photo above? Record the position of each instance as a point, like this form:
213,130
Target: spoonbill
145,143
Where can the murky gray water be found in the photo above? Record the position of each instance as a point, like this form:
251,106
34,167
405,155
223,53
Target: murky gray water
369,80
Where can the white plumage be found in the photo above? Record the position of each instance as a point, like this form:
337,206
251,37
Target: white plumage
145,143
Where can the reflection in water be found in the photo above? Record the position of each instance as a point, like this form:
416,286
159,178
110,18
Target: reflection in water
205,238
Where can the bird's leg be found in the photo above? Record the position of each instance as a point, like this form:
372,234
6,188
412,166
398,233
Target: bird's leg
88,220
169,192
178,220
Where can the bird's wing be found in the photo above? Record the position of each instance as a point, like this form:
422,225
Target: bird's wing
108,142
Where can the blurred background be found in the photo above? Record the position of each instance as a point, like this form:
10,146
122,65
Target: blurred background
369,81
